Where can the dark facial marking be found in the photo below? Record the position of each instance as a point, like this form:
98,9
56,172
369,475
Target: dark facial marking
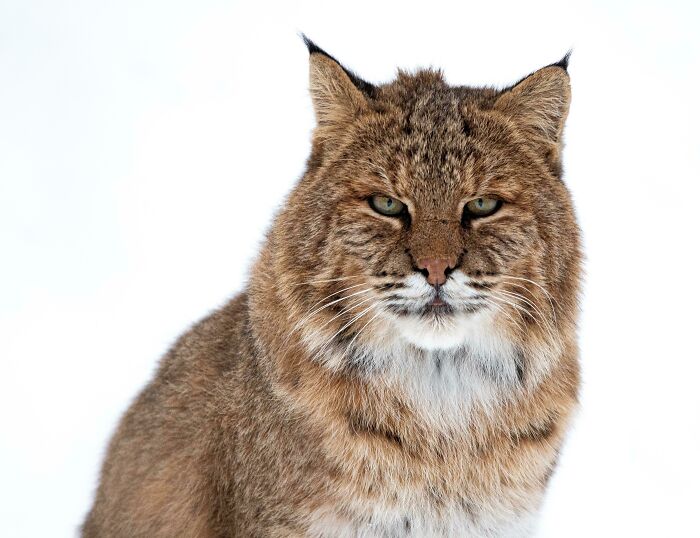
481,285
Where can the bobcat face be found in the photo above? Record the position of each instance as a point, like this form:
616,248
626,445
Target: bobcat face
431,212
433,259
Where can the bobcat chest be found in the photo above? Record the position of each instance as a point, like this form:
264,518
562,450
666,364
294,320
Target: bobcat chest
418,520
424,474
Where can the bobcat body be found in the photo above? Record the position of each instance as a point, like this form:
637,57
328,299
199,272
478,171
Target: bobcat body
385,373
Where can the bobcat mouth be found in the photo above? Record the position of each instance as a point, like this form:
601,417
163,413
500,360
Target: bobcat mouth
438,307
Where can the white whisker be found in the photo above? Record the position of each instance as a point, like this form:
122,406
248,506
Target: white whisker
524,299
346,310
547,294
323,307
336,293
363,328
355,318
500,308
322,281
543,323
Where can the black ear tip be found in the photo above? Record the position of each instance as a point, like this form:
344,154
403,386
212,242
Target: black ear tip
564,62
313,47
364,86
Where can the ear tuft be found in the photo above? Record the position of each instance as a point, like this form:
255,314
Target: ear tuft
564,62
313,47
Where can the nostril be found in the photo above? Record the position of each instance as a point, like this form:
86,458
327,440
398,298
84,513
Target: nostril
435,270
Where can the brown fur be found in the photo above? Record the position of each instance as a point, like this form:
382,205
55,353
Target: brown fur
247,429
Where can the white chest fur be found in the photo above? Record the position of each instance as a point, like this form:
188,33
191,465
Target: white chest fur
443,373
378,523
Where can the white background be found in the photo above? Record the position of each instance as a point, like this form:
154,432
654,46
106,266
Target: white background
144,147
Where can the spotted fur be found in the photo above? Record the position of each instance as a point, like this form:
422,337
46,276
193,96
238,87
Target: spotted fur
332,398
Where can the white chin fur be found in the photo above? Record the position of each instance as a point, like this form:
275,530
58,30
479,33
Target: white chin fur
450,332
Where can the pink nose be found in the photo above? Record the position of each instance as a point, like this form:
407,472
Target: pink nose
437,269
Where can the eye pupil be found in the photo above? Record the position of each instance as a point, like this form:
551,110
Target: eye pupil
385,205
481,207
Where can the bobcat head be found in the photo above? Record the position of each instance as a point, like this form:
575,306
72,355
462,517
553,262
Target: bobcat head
430,216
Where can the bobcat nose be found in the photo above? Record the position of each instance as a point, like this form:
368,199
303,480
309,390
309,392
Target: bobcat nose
435,269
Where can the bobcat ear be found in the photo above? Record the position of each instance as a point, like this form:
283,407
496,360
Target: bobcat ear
538,105
338,95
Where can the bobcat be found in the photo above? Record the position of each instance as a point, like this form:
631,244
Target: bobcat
403,360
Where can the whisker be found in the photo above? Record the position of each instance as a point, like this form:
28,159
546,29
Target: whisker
322,281
336,293
542,323
539,319
364,327
548,295
301,322
352,320
500,308
346,310
355,318
519,309
358,316
323,307
522,298
530,292
545,320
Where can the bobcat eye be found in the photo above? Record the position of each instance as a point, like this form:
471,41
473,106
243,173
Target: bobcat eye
481,207
386,205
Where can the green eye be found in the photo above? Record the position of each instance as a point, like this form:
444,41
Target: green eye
386,205
482,207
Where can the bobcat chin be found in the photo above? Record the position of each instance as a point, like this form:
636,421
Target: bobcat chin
403,360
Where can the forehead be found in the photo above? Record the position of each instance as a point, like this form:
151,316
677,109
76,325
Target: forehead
438,145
